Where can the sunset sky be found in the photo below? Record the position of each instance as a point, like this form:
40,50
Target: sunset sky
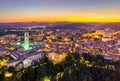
60,10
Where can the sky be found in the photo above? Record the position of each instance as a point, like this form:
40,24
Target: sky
59,10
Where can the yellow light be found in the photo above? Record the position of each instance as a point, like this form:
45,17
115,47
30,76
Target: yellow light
2,63
7,74
46,78
12,48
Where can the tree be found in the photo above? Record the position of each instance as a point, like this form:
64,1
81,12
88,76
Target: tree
2,76
28,74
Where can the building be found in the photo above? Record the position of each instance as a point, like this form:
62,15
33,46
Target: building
108,35
26,41
118,43
119,50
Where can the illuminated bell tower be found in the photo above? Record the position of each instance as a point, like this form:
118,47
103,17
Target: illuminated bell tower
26,41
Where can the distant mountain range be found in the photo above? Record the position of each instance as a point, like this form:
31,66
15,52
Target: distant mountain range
62,25
114,26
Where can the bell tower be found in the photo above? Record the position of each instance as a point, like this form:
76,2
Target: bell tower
26,41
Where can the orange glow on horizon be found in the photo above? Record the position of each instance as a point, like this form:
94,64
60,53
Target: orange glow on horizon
66,20
63,17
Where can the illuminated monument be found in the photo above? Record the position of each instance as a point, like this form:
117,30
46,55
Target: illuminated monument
26,44
26,41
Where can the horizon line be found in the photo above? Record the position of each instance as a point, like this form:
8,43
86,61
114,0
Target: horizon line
60,22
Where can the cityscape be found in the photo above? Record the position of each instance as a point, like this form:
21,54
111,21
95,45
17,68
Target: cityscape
46,41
